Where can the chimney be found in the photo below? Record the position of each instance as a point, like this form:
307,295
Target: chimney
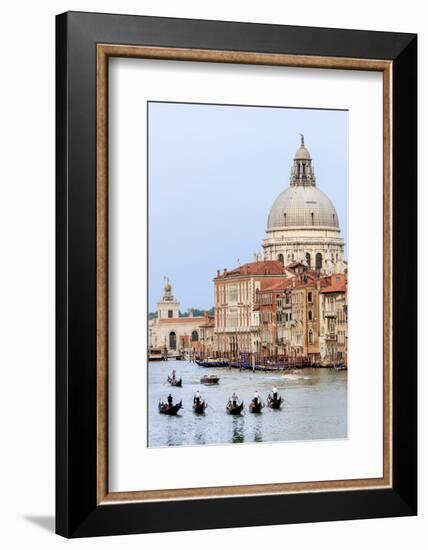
218,273
224,271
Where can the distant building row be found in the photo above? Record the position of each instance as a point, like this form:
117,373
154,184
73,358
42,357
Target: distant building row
271,310
262,309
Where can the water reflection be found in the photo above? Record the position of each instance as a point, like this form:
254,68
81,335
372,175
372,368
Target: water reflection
258,432
238,429
200,430
174,434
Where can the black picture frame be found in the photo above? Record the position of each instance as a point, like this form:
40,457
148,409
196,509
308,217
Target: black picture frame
77,512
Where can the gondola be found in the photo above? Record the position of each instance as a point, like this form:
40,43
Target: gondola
200,408
171,410
210,379
340,366
177,382
237,409
211,363
256,408
274,403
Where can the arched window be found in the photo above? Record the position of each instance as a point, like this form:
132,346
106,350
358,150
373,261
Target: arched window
195,336
308,259
172,340
310,315
312,218
310,337
285,218
281,258
318,260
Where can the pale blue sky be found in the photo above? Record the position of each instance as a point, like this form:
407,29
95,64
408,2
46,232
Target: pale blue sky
214,172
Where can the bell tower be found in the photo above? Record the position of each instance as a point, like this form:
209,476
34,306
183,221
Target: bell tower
302,171
168,307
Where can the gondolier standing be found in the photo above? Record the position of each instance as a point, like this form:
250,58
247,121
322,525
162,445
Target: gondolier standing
256,397
197,398
234,399
169,398
275,393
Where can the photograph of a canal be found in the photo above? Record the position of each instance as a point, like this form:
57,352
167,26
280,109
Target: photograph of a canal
248,274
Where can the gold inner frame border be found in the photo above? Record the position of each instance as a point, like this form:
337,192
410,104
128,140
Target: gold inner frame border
104,52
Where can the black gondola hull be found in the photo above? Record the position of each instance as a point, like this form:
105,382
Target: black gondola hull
256,408
211,363
235,410
177,383
200,409
274,403
164,408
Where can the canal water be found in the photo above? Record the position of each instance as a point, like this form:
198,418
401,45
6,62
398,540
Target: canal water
315,406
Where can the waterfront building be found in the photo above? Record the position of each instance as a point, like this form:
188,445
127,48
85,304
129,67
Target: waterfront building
290,321
303,224
270,303
305,315
206,340
237,318
334,320
170,332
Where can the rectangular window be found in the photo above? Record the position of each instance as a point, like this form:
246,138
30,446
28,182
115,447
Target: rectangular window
232,294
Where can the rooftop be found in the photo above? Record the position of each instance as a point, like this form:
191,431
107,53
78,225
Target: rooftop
338,284
268,267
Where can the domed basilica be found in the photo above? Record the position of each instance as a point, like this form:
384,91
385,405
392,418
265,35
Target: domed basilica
303,224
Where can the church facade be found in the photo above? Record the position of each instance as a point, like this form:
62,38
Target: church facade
303,224
171,333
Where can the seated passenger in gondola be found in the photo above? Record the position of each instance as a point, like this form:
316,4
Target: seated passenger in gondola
197,398
173,374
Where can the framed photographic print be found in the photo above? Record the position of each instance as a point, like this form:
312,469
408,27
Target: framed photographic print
236,274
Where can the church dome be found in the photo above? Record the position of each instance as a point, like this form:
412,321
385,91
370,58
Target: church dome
301,205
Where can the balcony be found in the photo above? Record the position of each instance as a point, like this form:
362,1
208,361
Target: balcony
331,337
330,314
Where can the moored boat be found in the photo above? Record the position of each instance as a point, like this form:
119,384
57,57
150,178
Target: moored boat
340,366
171,410
210,379
200,407
235,409
274,403
156,354
176,382
211,363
